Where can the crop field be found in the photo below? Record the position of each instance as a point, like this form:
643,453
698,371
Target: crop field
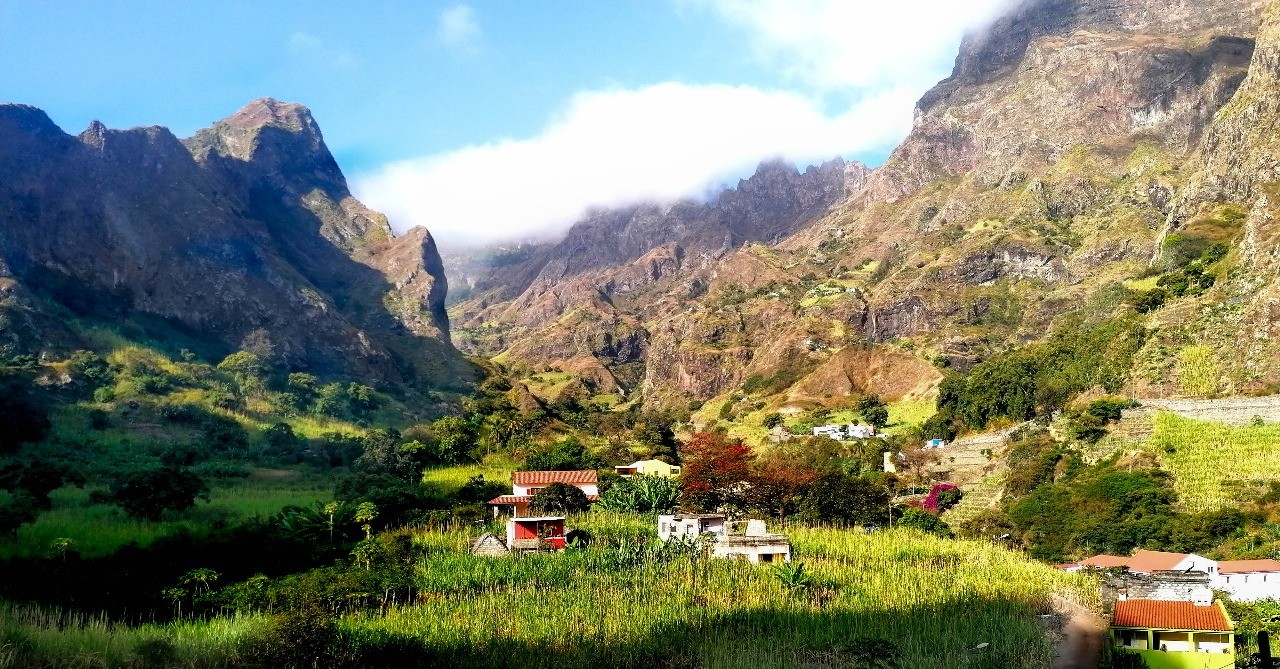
99,529
632,602
1213,464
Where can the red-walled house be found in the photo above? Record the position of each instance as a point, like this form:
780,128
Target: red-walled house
525,484
543,533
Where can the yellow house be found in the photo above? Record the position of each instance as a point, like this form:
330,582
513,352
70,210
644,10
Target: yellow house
1175,635
648,468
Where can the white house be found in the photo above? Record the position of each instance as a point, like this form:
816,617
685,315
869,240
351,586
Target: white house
861,431
689,525
1243,580
524,485
1249,580
754,545
831,431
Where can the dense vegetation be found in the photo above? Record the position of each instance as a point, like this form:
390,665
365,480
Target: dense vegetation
1061,508
891,600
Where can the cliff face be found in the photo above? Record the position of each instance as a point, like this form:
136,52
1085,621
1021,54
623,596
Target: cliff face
588,302
247,226
1074,143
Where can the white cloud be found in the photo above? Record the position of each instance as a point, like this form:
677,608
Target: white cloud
838,45
671,140
459,30
618,147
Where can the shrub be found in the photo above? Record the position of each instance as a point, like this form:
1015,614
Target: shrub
149,493
560,498
922,520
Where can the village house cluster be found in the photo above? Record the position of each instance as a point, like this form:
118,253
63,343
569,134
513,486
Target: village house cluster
1165,608
750,540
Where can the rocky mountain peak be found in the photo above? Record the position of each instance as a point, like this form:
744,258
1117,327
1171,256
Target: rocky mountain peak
261,112
247,226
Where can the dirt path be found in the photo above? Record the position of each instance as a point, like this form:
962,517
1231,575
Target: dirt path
1083,633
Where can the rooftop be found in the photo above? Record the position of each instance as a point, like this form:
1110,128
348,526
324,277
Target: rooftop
1247,566
1104,561
542,478
1162,615
1149,561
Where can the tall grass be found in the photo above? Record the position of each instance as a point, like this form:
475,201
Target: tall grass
99,529
35,637
1213,464
934,600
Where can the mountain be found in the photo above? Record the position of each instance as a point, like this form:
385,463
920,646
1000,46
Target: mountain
1080,160
583,301
246,230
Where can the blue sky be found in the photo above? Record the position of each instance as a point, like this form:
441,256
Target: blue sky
490,121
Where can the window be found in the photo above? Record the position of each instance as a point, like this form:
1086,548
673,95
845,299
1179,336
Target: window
766,557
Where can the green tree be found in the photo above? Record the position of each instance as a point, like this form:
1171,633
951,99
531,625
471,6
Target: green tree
923,520
89,369
840,499
559,498
149,493
566,455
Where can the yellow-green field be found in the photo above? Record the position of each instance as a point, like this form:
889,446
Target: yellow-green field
930,601
1213,464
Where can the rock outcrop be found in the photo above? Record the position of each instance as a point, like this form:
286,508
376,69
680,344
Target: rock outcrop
247,226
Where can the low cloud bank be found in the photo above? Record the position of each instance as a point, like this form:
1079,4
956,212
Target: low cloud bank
671,140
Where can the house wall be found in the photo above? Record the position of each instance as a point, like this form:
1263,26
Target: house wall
1164,586
1250,587
1195,562
753,554
1200,650
687,528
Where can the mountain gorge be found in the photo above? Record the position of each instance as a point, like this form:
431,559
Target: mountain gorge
1079,163
246,230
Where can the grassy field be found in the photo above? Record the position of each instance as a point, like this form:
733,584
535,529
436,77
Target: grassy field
930,601
1213,464
99,529
450,479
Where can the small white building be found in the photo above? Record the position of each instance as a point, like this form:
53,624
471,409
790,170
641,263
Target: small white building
1249,580
861,431
689,525
935,443
830,431
756,545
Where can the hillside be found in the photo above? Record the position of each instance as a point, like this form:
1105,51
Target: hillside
1083,159
245,232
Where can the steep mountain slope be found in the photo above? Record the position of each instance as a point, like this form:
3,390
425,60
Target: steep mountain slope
584,301
248,227
1038,180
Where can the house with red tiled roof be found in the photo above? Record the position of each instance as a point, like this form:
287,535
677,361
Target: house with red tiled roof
1175,635
524,485
1244,580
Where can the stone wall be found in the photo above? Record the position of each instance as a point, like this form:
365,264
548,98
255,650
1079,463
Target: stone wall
1163,585
1230,410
